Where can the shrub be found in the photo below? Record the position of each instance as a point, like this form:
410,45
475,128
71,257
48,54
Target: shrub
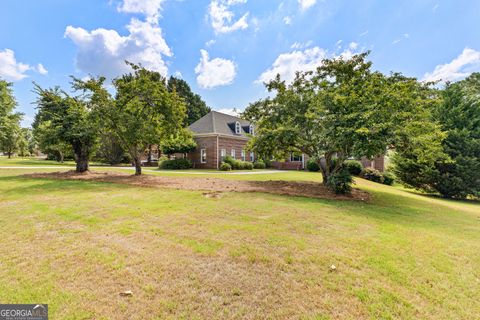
340,181
388,178
372,175
354,167
247,165
312,165
259,164
230,161
268,163
176,164
225,166
237,164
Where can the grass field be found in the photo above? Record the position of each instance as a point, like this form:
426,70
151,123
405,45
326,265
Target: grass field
76,245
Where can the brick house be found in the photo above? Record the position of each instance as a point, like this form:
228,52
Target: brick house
218,135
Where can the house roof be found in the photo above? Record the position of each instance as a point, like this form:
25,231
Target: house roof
220,123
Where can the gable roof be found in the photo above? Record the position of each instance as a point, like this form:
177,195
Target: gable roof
220,123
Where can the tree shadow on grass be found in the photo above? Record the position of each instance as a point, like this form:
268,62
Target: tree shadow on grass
28,186
439,197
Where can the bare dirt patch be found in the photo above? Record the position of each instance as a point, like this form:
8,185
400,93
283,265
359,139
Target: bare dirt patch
214,185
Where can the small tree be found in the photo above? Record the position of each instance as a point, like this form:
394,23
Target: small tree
48,141
144,112
11,138
24,142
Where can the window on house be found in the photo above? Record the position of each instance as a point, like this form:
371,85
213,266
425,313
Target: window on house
203,155
251,130
252,156
243,155
238,128
295,157
223,153
232,153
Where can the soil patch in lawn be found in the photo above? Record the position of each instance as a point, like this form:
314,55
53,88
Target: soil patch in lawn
214,185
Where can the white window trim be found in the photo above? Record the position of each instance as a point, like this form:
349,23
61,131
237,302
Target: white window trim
292,156
244,155
223,153
202,152
233,153
252,156
238,128
252,130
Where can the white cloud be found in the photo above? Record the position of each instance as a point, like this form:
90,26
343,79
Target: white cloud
222,18
460,67
364,33
230,111
149,8
353,45
287,64
299,45
178,74
404,36
41,69
215,72
306,4
103,52
287,20
10,69
210,42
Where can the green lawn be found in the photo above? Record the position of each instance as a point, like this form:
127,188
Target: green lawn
18,161
76,245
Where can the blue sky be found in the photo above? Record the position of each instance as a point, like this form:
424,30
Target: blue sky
226,48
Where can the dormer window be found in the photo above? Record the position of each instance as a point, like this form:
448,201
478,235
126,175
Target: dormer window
251,130
238,128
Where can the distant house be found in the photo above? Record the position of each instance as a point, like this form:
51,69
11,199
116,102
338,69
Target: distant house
219,135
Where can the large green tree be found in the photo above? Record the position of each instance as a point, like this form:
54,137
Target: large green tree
143,111
68,120
342,109
10,130
196,107
451,167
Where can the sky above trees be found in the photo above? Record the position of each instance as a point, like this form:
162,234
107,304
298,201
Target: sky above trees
226,49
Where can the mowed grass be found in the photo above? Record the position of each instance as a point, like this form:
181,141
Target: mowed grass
76,245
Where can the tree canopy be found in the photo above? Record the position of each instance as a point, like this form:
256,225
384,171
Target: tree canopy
195,106
342,109
11,134
143,112
451,167
68,120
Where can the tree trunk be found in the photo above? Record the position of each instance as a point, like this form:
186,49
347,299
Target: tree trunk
138,166
60,156
9,155
149,157
325,167
81,155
